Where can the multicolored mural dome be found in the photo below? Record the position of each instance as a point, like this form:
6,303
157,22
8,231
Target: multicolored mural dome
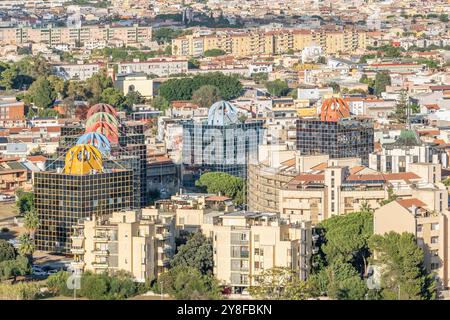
97,140
101,107
107,129
102,117
83,159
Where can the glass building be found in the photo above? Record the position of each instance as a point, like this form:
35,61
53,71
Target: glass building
222,143
62,198
343,138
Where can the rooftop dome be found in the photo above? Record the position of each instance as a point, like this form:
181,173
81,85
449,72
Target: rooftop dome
102,117
334,109
101,107
97,140
83,159
222,113
105,128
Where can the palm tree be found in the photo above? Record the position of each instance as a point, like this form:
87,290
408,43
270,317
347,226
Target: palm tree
26,247
31,222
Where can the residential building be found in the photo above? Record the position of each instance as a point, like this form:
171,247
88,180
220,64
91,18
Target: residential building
429,226
247,243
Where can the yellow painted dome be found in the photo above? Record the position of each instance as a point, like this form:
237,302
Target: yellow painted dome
82,159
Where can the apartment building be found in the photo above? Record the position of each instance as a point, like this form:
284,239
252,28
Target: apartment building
255,42
140,243
314,188
76,71
406,150
159,67
12,112
247,243
133,35
429,226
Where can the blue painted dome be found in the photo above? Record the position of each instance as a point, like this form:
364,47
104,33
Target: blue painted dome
222,113
96,139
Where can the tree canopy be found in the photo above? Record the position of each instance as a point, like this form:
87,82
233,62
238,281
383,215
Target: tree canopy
214,53
206,95
224,184
403,275
7,251
277,88
182,89
196,253
187,283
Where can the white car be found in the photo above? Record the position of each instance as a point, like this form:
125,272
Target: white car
53,271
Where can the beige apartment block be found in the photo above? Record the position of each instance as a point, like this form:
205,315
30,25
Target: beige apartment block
132,35
255,42
139,243
429,226
246,243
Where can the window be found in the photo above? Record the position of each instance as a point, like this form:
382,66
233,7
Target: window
256,237
434,266
435,226
434,239
419,228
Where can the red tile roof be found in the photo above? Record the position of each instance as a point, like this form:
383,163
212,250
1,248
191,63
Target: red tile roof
408,203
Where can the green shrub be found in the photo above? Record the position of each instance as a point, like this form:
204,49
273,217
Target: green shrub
20,291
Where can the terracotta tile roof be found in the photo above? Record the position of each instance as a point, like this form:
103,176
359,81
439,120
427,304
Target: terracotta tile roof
308,178
289,163
356,169
366,177
38,158
401,176
408,203
320,166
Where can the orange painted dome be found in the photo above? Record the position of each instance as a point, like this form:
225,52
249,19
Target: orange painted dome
334,109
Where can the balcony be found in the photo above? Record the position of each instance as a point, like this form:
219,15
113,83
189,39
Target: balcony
101,238
77,265
77,250
100,252
100,265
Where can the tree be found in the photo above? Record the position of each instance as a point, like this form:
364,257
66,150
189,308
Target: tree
96,85
196,253
403,275
401,109
7,78
222,183
336,87
58,85
94,286
12,268
182,89
42,93
214,53
347,239
382,79
113,97
7,251
391,197
443,17
160,103
206,95
277,88
25,201
132,98
338,281
187,283
279,283
31,222
26,246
